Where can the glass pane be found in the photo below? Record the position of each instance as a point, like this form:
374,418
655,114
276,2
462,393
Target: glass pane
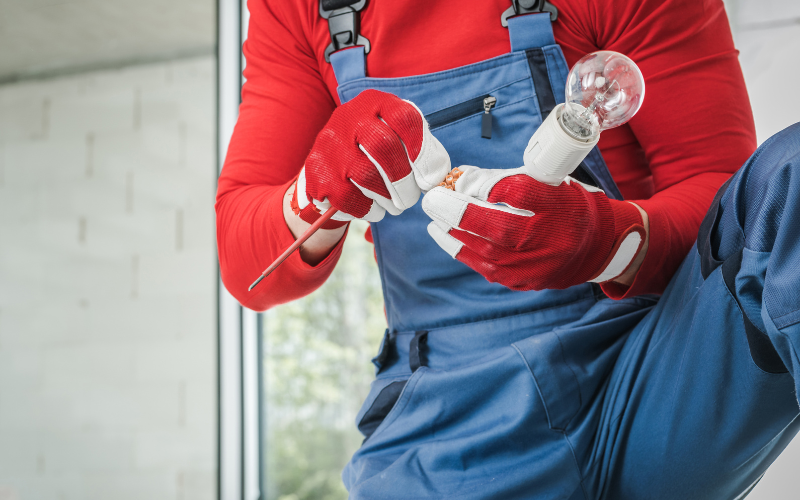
317,371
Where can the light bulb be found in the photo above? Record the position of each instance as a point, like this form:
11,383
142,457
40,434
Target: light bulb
604,90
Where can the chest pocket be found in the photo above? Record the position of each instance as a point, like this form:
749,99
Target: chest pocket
513,117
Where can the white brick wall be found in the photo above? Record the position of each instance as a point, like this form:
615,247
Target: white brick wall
107,273
769,41
107,285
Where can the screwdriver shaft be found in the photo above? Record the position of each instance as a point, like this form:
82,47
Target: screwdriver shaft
294,246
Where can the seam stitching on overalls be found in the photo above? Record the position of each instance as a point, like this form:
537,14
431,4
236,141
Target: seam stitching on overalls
575,377
435,329
381,83
381,271
793,322
550,73
470,69
577,464
536,383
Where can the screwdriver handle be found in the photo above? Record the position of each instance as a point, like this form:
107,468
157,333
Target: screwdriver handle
294,246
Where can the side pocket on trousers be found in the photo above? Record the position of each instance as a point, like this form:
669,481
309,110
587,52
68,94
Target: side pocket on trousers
761,349
556,382
380,401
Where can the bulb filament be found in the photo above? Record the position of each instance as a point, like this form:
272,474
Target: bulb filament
598,98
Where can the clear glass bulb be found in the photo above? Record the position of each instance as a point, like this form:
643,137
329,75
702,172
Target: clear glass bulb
604,90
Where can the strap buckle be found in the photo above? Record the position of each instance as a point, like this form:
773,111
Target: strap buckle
344,24
519,7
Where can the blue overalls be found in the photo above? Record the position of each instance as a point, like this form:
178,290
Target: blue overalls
484,392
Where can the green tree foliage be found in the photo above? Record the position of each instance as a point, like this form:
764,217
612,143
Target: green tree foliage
317,353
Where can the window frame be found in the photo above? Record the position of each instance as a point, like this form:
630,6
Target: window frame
240,424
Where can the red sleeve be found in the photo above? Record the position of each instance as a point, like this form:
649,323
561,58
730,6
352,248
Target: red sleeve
284,105
695,127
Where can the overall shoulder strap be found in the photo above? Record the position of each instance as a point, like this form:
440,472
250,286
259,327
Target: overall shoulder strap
519,7
529,23
344,24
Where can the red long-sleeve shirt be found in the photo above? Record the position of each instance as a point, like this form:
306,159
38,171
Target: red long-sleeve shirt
694,129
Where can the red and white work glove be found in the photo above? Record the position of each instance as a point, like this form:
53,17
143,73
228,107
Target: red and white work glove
528,235
375,155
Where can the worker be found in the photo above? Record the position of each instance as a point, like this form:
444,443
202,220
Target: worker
518,362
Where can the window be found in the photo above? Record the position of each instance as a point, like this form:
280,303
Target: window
316,372
291,380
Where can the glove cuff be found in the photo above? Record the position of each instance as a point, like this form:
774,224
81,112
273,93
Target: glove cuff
629,237
625,215
310,213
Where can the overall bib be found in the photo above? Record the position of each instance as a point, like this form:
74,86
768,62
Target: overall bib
485,392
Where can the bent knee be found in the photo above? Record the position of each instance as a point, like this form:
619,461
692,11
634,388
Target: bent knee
769,189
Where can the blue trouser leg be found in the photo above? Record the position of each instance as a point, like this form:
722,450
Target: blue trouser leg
691,398
703,396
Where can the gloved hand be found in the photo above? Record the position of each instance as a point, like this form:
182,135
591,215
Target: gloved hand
527,235
374,156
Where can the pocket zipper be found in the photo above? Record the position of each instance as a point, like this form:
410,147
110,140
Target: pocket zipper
484,104
486,121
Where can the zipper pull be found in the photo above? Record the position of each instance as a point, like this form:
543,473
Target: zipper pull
486,121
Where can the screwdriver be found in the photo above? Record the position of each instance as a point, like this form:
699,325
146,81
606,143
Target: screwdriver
449,182
294,246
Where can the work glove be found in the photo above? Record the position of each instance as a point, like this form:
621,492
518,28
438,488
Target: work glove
375,155
528,235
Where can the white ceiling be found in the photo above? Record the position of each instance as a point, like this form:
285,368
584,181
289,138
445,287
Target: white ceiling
41,37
